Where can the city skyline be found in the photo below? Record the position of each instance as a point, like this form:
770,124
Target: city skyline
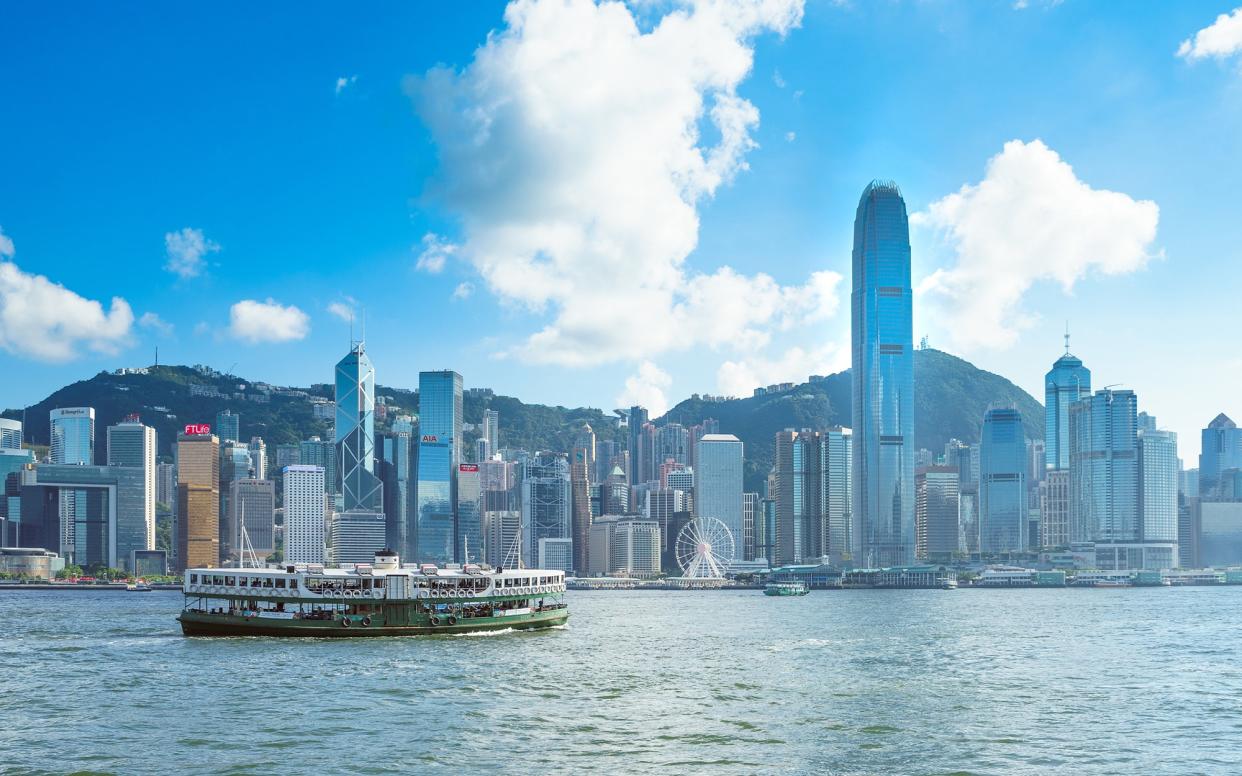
777,187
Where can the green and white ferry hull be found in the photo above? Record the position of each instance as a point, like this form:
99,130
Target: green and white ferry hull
383,599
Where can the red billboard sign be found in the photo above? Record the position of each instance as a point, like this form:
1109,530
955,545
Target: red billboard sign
468,467
197,429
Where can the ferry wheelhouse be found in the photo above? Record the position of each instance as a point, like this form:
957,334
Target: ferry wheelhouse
380,599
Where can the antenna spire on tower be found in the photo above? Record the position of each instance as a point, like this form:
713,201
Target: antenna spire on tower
1067,338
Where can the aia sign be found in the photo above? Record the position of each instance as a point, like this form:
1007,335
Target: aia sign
431,438
197,429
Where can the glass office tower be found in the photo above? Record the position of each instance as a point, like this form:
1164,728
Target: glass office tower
1003,511
1104,468
439,453
1067,382
1221,450
883,380
73,435
355,431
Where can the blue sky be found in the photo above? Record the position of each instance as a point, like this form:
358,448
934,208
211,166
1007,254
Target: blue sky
609,209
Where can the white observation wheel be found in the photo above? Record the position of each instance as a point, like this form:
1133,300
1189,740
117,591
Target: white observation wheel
704,548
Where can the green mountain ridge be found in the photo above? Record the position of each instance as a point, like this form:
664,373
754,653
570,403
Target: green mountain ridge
951,397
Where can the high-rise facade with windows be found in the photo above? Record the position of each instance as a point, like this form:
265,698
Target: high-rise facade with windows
305,513
1158,506
355,431
1221,451
547,498
883,380
251,521
198,501
491,432
73,435
718,484
1066,383
1104,468
1003,508
396,471
228,426
580,466
936,513
439,453
10,434
320,452
637,418
469,513
133,444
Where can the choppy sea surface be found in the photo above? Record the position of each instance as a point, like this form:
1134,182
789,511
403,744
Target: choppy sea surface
1137,681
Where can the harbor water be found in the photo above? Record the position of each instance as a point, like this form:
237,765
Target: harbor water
1125,681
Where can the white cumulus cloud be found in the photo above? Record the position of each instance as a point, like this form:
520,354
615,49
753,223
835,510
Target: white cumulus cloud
1029,219
43,320
1221,39
344,82
341,310
155,322
186,251
257,322
435,253
463,290
571,152
648,387
795,365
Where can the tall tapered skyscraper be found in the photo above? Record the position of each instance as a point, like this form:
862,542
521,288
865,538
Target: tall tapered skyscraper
883,376
355,431
1067,382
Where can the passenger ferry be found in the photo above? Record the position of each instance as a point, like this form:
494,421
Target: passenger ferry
380,599
785,588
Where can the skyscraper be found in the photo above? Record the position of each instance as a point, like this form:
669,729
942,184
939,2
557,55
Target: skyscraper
355,431
812,495
718,484
1158,508
636,420
228,426
73,435
439,453
133,444
491,431
580,494
304,514
320,452
198,501
1002,483
1221,450
396,470
469,513
258,458
546,501
790,469
936,513
883,380
10,434
1067,382
1104,468
251,524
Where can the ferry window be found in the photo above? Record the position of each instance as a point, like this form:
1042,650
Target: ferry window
194,579
230,580
280,583
217,580
267,581
293,584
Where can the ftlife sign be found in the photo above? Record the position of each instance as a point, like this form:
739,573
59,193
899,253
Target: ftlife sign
197,429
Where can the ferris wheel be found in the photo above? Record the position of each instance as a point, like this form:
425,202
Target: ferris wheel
704,548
